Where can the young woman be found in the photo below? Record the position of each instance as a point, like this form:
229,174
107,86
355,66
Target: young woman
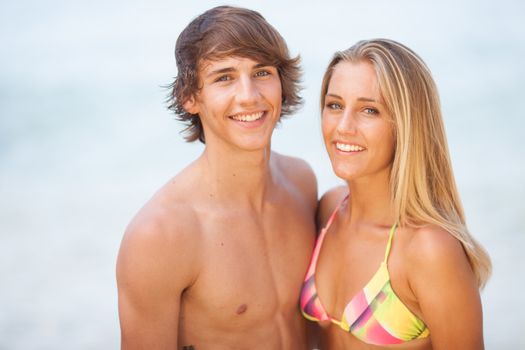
395,262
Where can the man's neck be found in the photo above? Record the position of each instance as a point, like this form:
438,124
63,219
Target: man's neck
240,176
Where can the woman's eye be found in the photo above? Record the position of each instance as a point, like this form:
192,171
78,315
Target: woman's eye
333,105
371,111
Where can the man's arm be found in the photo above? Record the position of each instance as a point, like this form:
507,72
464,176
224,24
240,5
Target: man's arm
155,265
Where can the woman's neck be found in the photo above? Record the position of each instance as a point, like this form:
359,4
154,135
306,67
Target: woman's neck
371,200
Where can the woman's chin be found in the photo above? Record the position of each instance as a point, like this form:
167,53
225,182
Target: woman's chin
345,174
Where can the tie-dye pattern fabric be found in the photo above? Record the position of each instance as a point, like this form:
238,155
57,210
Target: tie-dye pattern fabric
375,315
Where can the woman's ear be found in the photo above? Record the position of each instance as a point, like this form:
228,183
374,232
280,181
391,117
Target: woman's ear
191,105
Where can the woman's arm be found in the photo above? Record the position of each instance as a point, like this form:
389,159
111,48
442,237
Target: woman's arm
446,289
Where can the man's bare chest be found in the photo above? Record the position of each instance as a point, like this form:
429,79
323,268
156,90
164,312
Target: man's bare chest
252,267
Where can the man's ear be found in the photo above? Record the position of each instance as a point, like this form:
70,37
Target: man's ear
191,106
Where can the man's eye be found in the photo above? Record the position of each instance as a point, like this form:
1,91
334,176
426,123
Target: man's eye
223,78
262,73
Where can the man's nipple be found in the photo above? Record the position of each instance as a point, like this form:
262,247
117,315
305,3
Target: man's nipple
242,309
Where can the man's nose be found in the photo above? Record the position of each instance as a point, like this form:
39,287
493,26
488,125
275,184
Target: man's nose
247,91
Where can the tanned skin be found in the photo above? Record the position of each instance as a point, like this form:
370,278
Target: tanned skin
216,259
429,270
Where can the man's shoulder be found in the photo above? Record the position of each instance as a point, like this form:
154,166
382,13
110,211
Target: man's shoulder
167,218
298,173
292,165
161,238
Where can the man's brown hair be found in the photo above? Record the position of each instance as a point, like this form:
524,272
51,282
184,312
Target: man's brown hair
229,31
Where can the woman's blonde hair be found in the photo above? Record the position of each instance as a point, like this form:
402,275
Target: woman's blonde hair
422,182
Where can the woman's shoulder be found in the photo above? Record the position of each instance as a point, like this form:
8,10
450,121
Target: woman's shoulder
435,244
433,252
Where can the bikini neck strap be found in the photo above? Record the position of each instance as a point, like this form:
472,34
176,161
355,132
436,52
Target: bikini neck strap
334,213
389,244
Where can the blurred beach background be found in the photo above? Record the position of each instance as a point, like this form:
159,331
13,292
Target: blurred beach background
85,140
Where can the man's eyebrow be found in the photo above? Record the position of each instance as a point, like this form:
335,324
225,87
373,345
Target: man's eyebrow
261,65
220,71
232,69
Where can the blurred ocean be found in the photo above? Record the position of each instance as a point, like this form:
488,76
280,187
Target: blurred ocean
85,140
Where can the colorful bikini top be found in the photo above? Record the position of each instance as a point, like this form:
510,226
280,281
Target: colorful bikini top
375,315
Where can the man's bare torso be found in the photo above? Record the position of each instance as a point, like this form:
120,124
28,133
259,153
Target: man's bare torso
247,263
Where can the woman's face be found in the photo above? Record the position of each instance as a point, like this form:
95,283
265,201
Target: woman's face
357,127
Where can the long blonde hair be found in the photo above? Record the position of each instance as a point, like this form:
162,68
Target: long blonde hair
422,182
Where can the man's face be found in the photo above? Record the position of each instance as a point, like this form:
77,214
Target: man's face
239,102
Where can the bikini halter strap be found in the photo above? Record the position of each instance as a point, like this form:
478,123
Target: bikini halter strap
389,244
334,213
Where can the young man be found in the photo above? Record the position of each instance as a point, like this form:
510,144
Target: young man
215,260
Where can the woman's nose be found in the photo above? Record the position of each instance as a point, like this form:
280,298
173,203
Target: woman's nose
347,123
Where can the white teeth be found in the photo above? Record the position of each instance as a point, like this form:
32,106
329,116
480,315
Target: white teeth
248,117
348,148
